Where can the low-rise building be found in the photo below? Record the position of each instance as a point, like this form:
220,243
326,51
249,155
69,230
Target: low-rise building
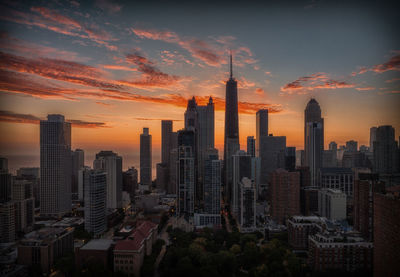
348,252
130,252
96,251
332,204
300,227
43,247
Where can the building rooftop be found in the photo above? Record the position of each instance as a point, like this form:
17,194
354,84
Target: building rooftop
135,241
336,170
46,234
98,244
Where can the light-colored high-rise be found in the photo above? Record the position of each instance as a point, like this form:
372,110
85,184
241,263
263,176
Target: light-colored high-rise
111,163
95,183
55,166
145,158
332,204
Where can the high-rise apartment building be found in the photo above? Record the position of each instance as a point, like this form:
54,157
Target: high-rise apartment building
145,158
247,211
365,185
111,163
242,163
285,195
22,196
386,234
186,174
55,166
95,183
212,183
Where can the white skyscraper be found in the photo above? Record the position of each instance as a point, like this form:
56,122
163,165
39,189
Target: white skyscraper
332,204
55,166
95,183
111,163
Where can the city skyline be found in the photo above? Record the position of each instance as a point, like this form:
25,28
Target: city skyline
117,75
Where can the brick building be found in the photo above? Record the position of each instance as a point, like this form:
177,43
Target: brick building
386,234
300,227
285,194
364,188
96,251
129,253
43,247
339,251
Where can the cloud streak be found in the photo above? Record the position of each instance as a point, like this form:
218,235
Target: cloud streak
52,20
11,117
315,81
392,64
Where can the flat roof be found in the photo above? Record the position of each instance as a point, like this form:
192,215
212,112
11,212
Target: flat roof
98,244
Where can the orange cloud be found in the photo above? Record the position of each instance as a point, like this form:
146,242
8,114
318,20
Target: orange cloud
392,64
315,81
259,91
365,89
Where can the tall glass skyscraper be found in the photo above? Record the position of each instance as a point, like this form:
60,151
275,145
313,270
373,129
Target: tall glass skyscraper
145,158
55,166
231,139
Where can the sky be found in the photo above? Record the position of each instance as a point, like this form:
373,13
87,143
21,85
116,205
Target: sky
112,68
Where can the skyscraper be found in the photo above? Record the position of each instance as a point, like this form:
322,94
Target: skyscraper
372,138
251,146
186,176
313,138
78,162
166,130
212,183
314,149
55,166
261,127
95,183
205,138
231,139
242,163
351,146
247,206
110,162
385,150
145,158
285,194
272,155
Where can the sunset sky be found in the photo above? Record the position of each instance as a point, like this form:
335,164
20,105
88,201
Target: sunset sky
113,68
